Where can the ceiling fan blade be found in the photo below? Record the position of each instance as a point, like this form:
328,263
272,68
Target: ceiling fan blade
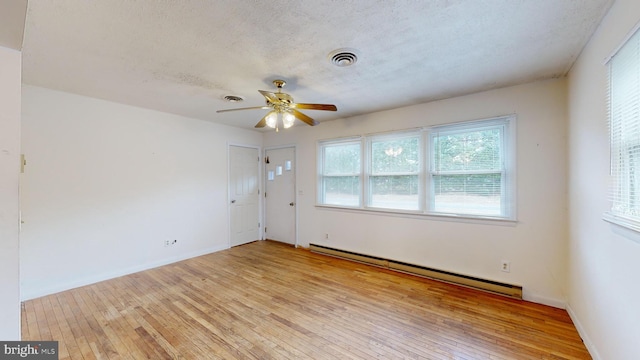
263,122
271,97
304,118
327,107
246,108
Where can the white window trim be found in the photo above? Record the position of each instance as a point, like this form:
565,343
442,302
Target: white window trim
626,222
510,155
621,221
473,219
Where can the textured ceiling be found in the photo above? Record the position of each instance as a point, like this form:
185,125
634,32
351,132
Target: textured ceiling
182,57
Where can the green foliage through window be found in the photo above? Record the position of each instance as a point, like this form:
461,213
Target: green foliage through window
468,151
468,170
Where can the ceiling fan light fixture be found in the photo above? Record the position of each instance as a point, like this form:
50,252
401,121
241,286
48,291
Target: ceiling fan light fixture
287,120
283,110
272,119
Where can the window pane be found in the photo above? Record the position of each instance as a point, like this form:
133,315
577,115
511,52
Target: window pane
468,194
392,156
629,184
468,151
624,127
342,159
341,190
394,192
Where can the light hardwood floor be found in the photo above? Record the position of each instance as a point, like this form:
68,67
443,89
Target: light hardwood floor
267,300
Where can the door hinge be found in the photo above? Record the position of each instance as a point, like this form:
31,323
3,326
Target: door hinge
265,194
265,229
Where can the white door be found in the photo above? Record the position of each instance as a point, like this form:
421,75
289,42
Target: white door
280,189
244,195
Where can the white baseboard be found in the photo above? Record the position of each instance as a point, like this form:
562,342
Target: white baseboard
556,303
583,334
56,288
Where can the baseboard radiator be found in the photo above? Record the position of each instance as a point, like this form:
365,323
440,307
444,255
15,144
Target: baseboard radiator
495,287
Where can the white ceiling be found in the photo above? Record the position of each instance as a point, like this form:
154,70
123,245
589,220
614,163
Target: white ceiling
182,57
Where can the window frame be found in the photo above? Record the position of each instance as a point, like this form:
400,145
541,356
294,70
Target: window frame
321,176
425,184
622,152
504,124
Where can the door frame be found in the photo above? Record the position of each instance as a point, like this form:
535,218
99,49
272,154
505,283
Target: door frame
295,188
260,165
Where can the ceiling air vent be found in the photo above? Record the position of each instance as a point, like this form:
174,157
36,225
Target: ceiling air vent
233,98
343,57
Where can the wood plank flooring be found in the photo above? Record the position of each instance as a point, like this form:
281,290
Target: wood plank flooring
267,300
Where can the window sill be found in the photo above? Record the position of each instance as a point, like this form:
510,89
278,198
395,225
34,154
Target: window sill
632,227
484,220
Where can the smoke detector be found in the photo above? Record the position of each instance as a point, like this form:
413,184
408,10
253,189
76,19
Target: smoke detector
343,57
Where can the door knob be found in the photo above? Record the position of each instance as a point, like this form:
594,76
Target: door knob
233,201
291,204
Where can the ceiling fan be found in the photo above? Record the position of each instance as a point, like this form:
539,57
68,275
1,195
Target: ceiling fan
283,109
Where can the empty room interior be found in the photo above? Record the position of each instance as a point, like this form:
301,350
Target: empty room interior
357,179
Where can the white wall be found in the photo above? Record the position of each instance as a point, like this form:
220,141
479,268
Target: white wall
10,78
536,245
604,270
106,184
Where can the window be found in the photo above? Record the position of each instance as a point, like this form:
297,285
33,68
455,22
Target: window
624,127
469,171
394,172
340,173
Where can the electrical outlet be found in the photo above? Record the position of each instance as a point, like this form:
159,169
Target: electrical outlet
326,236
505,266
170,242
